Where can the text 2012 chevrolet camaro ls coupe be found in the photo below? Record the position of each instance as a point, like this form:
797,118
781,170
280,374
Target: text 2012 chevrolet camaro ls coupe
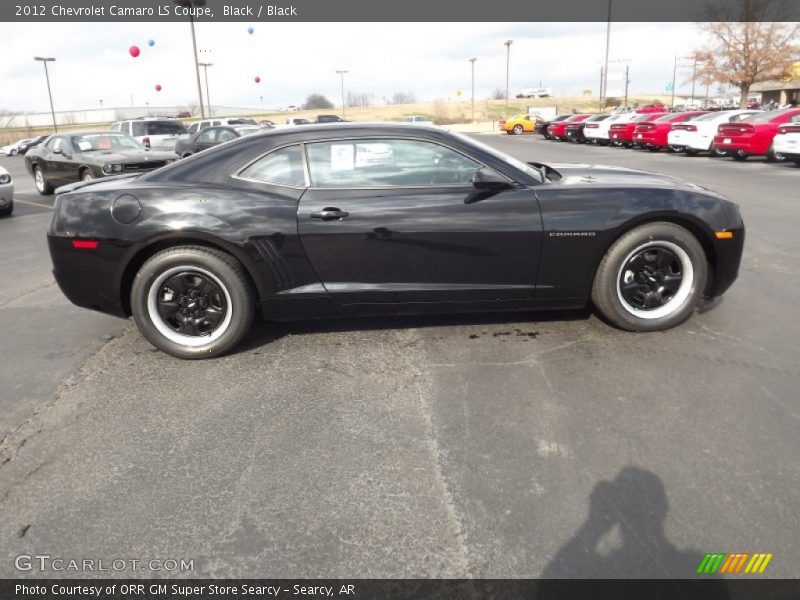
338,219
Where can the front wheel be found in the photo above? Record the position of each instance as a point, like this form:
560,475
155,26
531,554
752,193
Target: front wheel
652,278
42,185
517,130
192,301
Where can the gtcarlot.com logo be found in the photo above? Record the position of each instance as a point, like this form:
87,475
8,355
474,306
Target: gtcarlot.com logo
45,562
734,563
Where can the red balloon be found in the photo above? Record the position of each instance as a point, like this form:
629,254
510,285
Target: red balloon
134,51
158,87
258,80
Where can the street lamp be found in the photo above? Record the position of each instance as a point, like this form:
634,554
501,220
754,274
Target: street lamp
46,60
189,4
208,94
342,74
508,64
604,90
472,60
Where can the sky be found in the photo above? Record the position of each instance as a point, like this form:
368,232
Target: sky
430,60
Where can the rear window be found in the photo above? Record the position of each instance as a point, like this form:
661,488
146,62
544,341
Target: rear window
767,116
165,128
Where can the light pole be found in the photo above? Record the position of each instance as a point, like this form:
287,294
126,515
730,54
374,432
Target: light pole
46,60
189,4
605,70
472,60
208,94
342,74
101,103
508,67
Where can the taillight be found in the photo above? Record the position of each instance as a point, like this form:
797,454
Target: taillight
502,122
146,142
685,127
783,130
85,244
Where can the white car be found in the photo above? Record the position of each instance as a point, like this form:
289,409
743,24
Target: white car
6,193
418,119
599,134
13,149
540,92
158,134
698,134
787,142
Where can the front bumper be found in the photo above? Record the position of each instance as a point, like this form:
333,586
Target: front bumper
729,257
6,194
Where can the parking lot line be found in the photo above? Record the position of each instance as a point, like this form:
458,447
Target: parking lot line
29,203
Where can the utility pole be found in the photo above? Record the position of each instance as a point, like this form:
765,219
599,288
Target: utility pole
342,74
508,67
601,88
605,71
208,95
44,60
195,3
472,60
627,81
674,79
694,75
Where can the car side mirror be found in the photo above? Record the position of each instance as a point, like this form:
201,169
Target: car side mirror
58,151
490,180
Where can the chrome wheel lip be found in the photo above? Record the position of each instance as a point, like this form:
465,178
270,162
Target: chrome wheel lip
189,341
678,299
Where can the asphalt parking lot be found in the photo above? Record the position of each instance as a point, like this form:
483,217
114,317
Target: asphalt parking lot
489,446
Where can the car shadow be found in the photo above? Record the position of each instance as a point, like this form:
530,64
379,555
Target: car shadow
623,537
263,332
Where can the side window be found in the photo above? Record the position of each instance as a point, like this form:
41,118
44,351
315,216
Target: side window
116,127
282,167
380,163
226,135
204,125
56,144
208,136
216,123
138,129
795,119
192,128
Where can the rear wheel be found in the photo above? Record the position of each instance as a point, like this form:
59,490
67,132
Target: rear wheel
773,156
192,301
517,129
42,186
651,279
87,175
739,155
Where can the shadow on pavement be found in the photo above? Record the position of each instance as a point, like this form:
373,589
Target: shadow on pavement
623,537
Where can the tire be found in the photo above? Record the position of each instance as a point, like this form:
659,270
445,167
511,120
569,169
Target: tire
194,268
42,185
6,212
517,129
87,175
13,152
739,155
668,249
796,161
773,156
186,155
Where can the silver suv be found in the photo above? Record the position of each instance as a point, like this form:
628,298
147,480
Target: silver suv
158,134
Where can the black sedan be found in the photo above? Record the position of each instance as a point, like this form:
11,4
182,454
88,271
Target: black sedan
29,145
210,137
83,156
353,219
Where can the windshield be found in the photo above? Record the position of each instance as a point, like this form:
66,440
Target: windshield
767,116
91,142
516,163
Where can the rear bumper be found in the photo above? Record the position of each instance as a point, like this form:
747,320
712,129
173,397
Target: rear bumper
88,278
746,144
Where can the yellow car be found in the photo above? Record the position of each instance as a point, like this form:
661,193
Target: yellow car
518,125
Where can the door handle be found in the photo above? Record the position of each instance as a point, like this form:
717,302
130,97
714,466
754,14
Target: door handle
328,214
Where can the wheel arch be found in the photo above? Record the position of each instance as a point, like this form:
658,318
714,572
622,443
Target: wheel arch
188,238
692,224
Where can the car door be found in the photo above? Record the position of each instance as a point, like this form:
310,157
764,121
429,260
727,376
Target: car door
399,220
58,158
206,139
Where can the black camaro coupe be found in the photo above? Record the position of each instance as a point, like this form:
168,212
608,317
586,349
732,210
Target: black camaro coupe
351,219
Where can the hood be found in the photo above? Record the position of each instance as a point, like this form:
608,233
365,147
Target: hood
607,176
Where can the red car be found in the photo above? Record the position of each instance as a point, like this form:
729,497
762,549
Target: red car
653,134
754,135
558,131
652,108
621,134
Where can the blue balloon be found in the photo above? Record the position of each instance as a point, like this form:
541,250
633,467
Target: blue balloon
250,30
151,43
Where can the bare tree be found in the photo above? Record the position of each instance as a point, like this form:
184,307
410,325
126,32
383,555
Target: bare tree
746,47
403,98
498,94
359,99
316,101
